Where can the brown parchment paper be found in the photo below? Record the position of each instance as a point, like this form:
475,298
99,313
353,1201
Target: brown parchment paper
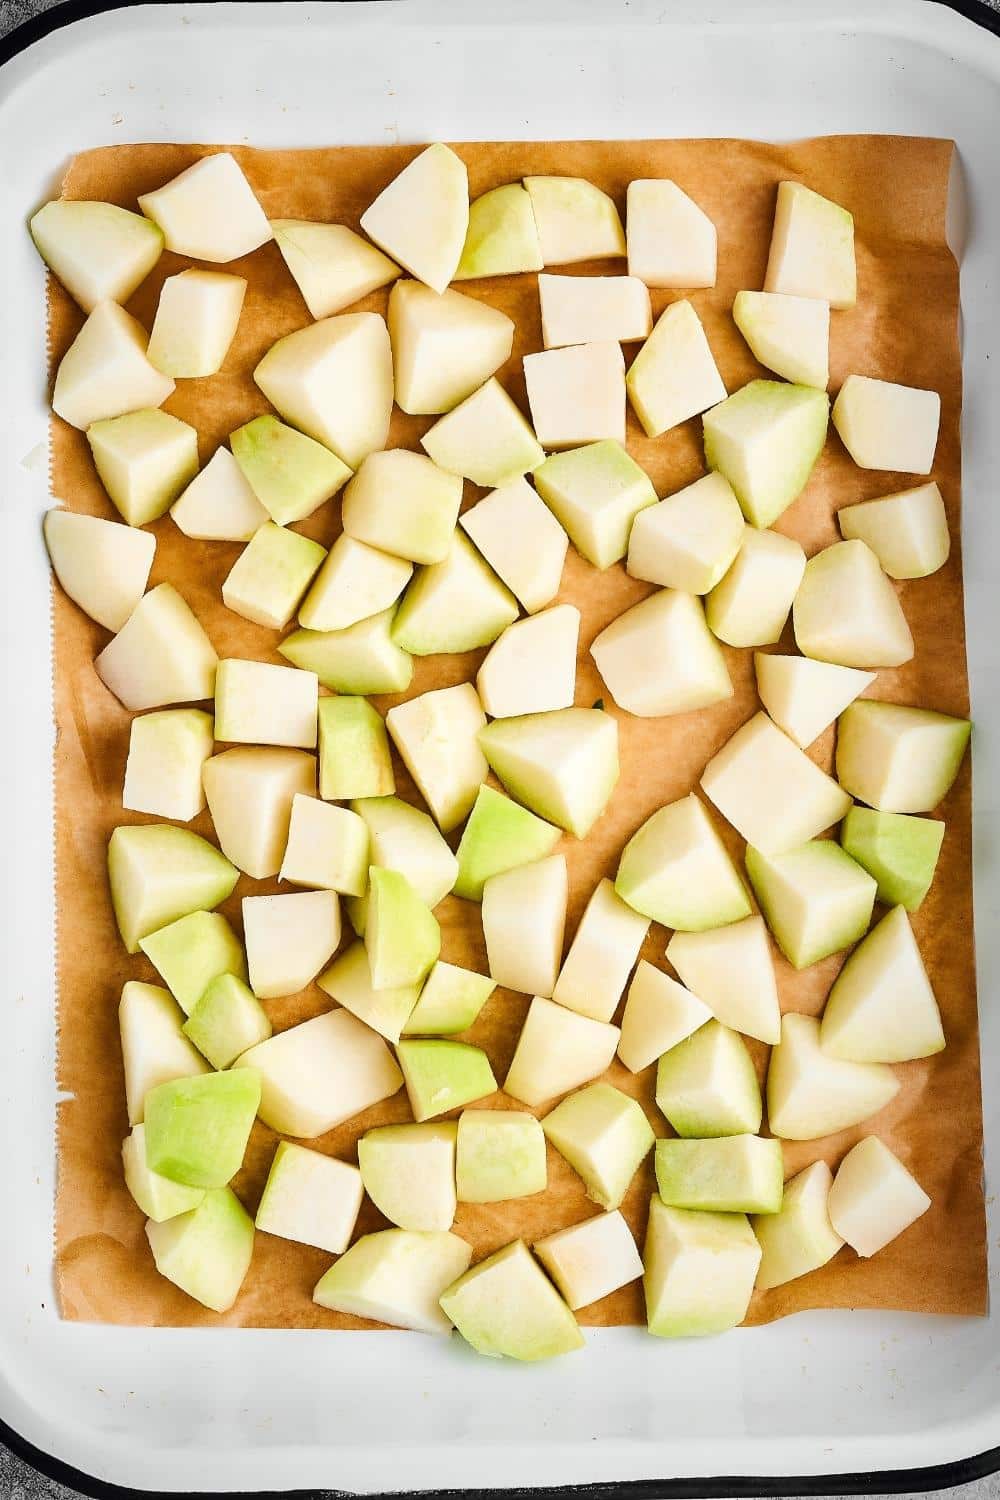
905,328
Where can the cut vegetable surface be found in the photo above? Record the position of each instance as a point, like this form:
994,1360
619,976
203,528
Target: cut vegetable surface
402,503
524,918
145,459
208,211
707,1085
268,579
731,1174
521,540
765,439
897,758
196,321
847,612
333,267
197,1128
443,347
206,1252
604,949
812,247
907,532
887,426
166,754
674,376
501,1155
189,953
874,1198
584,309
227,1021
441,1076
799,1238
396,1277
576,395
361,660
810,1094
506,1306
731,969
154,1047
595,493
562,764
659,1013
815,899
450,1001
348,980
219,505
675,869
354,758
311,1198
436,735
790,335
531,668
575,220
485,438
557,1051
457,604
105,371
699,1271
591,1260
604,1135
291,474
402,938
689,540
289,939
103,567
804,696
422,216
159,873
660,657
882,1007
751,604
99,252
258,704
409,1174
671,241
498,836
900,851
250,792
502,237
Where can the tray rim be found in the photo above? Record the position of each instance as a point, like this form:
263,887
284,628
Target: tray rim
881,1481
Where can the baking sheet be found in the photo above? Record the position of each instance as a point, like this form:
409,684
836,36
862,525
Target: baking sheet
904,327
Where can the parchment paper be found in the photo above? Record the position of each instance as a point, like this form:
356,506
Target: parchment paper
903,328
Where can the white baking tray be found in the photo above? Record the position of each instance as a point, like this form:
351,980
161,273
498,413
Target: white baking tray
214,1411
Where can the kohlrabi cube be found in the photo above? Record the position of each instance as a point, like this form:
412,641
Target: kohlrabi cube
882,1007
402,503
310,1198
811,1094
196,321
331,265
874,1198
102,566
804,696
189,953
899,850
769,789
576,221
320,1073
268,580
812,247
507,1307
731,969
521,540
159,873
562,764
502,238
790,335
409,1173
250,791
660,657
498,836
601,956
207,1251
260,704
706,1086
154,1047
402,937
218,505
590,1260
699,1271
397,1277
327,847
443,347
689,540
160,656
442,1076
577,395
815,899
524,919
289,940
436,735
799,1238
751,604
354,758
361,660
157,1197
458,604
558,1050
227,1021
291,474
450,1001
99,252
731,1174
587,309
531,667
671,241
105,372
209,211
659,1013
674,375
145,460
333,381
405,839
605,1137
166,754
485,438
907,532
675,870
421,217
348,980
847,612
887,426
595,493
765,439
899,759
500,1155
197,1128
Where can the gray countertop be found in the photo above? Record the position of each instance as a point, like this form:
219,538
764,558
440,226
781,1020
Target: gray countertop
17,1480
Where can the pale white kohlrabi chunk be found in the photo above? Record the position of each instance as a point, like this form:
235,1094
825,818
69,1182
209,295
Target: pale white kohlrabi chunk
671,241
436,735
689,539
209,211
595,492
531,668
160,656
576,220
899,759
166,754
521,540
196,321
659,1014
907,532
790,335
99,252
289,939
562,764
847,612
502,238
660,657
585,309
558,1050
260,704
804,696
750,605
219,505
604,949
810,1094
731,969
882,1007
524,919
310,1198
102,566
577,395
105,372
874,1198
887,426
250,791
812,248
486,438
799,1238
421,217
674,375
355,582
444,346
145,460
404,504
332,266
